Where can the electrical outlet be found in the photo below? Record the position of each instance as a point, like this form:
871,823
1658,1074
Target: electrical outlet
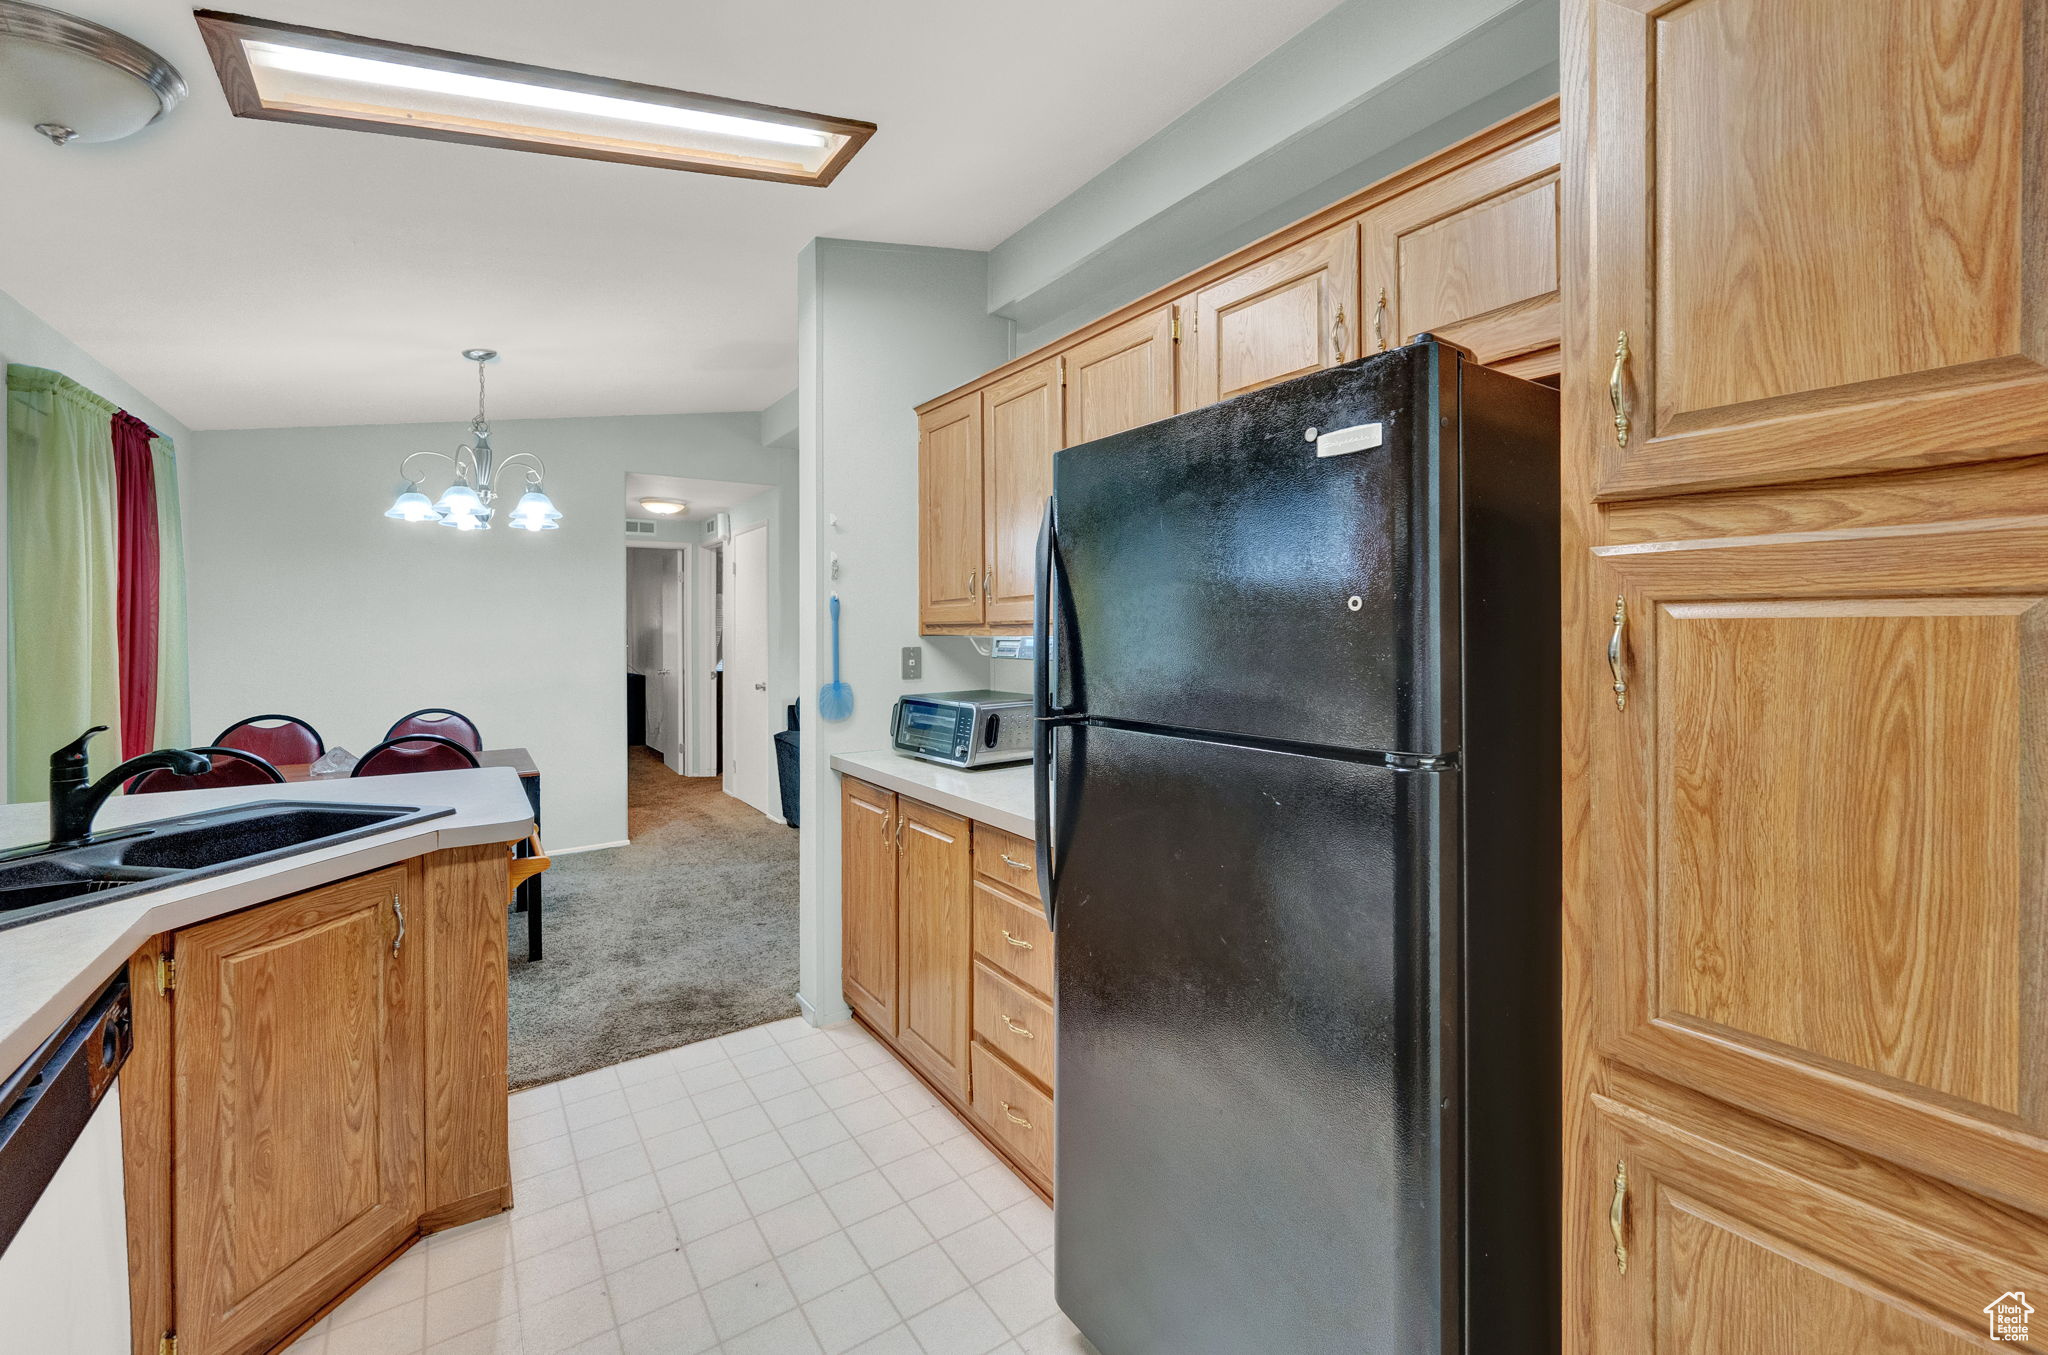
913,661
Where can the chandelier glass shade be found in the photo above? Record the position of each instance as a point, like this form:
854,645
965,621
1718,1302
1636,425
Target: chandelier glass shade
469,504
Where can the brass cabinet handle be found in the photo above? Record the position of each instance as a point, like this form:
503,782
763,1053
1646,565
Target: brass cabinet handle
397,911
1614,653
899,830
1616,1213
1379,322
885,828
1013,863
1337,334
973,582
1014,1117
1617,392
1021,945
1016,1029
988,579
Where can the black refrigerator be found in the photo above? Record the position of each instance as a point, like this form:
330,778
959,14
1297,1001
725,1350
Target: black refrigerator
1297,766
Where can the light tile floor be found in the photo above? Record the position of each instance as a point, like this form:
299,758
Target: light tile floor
779,1191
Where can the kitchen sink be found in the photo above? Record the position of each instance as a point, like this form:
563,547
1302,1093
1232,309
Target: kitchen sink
42,882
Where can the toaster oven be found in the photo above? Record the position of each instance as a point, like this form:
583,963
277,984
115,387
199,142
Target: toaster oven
964,729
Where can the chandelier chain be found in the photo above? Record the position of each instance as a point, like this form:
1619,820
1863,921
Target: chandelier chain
481,421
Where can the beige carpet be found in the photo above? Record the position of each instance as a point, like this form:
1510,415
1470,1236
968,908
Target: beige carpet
687,933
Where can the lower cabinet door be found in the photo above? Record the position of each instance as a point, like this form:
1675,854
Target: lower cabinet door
1738,1238
299,1110
867,893
935,942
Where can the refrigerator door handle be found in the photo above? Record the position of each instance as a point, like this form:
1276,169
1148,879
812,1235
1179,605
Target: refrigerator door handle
1041,711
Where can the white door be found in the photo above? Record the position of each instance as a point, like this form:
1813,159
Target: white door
665,688
750,730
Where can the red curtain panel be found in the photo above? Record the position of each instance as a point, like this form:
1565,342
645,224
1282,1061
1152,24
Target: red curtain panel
135,505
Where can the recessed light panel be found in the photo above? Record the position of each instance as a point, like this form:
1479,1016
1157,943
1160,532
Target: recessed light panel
287,73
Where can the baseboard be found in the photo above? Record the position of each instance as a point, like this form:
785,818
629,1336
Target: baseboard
830,1017
593,847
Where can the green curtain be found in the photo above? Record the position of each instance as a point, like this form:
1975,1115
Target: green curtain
173,698
62,561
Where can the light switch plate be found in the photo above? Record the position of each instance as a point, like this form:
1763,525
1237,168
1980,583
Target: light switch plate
913,661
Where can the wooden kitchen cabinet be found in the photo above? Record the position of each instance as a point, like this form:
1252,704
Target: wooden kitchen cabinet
299,1121
951,965
935,942
1727,1238
1818,226
1806,570
867,856
1286,315
1819,895
949,495
1471,257
1122,378
316,1082
1021,425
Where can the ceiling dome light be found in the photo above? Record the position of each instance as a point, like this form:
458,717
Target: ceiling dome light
75,80
665,507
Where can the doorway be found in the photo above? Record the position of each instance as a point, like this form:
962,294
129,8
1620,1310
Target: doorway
749,719
657,630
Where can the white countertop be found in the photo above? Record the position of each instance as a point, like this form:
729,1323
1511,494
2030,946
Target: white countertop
48,968
1000,796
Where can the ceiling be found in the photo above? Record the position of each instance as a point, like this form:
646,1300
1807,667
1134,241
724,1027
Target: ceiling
247,274
705,497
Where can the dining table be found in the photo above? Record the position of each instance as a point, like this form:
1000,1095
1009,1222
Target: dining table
527,896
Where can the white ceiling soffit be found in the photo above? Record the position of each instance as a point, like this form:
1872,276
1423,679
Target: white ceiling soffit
249,274
1372,86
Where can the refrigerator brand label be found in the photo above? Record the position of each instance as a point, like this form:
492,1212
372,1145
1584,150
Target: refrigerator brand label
1344,441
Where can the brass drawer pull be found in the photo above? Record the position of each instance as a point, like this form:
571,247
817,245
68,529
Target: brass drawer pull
1014,1117
1616,1213
1617,391
1614,654
1019,944
1013,863
1015,1029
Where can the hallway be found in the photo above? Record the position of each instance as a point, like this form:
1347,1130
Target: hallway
688,933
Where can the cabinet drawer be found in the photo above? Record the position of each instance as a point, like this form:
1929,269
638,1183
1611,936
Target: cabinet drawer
1012,936
1006,858
1013,1022
1016,1113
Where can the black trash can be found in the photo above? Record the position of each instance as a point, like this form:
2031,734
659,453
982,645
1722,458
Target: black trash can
786,746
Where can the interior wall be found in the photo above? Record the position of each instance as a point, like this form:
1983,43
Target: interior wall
306,599
879,329
26,339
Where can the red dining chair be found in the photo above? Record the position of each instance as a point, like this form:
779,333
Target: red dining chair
281,740
414,753
446,724
231,767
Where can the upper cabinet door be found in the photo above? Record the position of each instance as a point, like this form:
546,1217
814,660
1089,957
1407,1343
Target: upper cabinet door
1821,886
1021,430
1289,314
1470,257
949,558
1819,226
1122,378
299,1108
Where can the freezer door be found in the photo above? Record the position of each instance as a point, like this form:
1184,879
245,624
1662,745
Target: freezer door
1216,573
1251,1087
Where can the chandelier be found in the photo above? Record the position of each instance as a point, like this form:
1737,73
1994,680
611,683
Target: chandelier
469,503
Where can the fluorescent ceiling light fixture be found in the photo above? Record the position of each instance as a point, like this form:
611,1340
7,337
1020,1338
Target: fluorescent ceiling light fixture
665,507
288,73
